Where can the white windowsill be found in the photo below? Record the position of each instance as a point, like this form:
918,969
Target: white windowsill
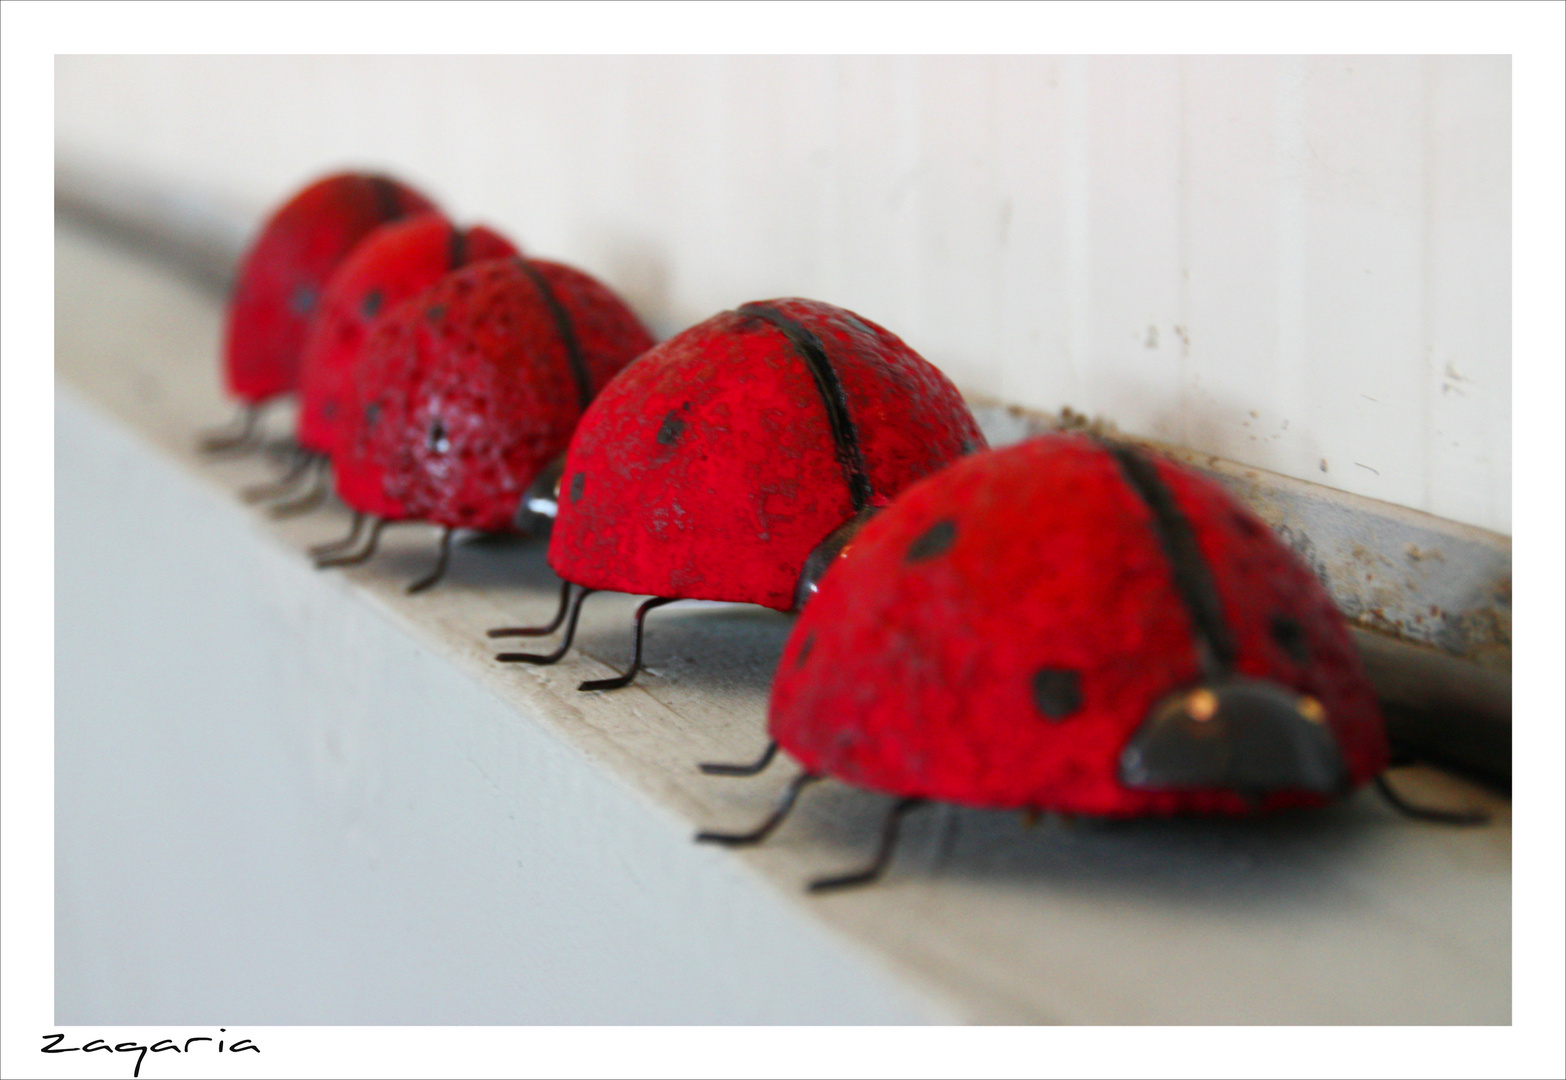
288,796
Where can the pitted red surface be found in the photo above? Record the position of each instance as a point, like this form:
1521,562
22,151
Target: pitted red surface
474,391
285,272
392,264
381,382
708,469
914,676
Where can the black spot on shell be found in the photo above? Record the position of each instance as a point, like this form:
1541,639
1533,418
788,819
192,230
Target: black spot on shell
1290,637
1057,692
435,313
438,441
935,541
371,303
577,482
372,413
673,427
303,300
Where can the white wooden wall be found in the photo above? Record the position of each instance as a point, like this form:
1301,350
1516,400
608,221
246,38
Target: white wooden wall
1297,263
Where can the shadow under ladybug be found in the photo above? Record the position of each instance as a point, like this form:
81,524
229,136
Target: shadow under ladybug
1072,626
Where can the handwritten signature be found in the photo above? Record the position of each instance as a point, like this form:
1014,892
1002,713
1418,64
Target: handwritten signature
162,1046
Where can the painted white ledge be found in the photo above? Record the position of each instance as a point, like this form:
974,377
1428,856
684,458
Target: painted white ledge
286,796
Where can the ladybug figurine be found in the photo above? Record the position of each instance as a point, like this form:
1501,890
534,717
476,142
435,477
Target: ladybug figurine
737,459
281,281
392,264
1078,626
469,391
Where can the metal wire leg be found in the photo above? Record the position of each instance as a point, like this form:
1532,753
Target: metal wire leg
355,557
1428,813
313,496
883,854
766,828
718,768
347,542
636,659
565,643
239,435
539,631
440,564
276,489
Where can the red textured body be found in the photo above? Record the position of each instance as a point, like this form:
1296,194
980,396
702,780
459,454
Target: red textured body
911,671
475,385
382,379
286,270
392,264
709,469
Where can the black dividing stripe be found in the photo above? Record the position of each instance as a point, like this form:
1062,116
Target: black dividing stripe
457,247
844,435
584,386
1192,576
386,203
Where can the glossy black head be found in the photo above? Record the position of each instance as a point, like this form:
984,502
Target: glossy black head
826,553
541,502
1237,734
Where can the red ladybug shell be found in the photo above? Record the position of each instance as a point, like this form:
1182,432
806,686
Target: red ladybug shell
393,263
382,380
715,464
285,272
917,669
475,385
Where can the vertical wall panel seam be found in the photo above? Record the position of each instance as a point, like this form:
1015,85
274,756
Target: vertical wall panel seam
1188,389
1077,207
1427,283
